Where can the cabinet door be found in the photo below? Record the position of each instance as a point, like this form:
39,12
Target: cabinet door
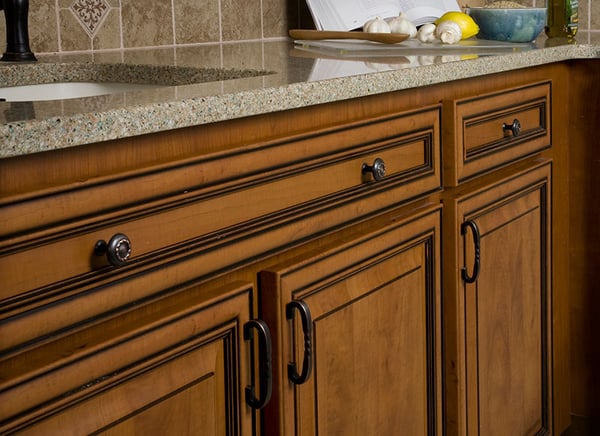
364,316
499,309
181,366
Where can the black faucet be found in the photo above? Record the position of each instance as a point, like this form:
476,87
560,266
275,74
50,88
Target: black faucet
17,31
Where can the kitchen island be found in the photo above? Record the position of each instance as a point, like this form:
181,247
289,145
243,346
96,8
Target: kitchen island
246,247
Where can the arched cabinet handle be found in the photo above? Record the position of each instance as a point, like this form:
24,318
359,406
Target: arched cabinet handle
302,307
117,250
514,128
265,359
477,242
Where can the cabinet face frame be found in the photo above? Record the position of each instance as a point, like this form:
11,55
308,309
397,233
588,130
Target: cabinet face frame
526,194
331,283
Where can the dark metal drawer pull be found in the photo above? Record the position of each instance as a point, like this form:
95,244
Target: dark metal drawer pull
301,307
266,366
117,250
477,242
377,169
514,128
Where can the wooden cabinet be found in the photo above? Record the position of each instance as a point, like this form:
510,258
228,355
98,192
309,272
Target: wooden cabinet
175,366
327,228
498,304
498,282
124,295
357,334
205,215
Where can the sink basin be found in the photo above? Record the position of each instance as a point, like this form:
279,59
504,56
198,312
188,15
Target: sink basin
77,80
67,90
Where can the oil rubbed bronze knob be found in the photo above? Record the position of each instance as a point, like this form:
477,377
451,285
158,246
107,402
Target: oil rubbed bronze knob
117,250
377,169
514,128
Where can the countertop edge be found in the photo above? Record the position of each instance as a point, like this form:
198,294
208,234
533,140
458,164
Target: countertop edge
24,137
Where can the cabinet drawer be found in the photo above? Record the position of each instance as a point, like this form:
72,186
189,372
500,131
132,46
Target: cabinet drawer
218,196
488,131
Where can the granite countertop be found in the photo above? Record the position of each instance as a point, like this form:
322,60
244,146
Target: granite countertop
280,76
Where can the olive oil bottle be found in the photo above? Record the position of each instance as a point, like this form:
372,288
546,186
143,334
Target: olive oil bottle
562,18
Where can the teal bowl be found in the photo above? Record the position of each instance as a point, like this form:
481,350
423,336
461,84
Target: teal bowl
512,25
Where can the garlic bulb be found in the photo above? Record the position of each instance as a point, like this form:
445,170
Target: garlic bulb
401,24
426,33
377,25
448,32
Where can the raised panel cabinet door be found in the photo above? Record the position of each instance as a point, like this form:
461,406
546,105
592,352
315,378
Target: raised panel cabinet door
357,335
503,311
180,366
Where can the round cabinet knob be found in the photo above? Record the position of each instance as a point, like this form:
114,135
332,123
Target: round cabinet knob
514,128
117,250
377,169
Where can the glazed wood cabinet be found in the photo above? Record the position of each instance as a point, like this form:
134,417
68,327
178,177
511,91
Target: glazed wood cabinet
497,264
177,366
498,304
305,272
357,335
130,305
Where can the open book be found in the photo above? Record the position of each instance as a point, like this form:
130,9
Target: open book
352,14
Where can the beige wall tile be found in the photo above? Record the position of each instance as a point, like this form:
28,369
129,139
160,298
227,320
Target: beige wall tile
241,20
196,21
594,8
147,23
143,23
594,38
109,34
583,15
64,3
73,37
276,16
43,32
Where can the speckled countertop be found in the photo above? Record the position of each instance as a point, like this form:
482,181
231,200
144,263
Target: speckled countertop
280,76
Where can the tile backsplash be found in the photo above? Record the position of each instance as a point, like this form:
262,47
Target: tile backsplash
58,26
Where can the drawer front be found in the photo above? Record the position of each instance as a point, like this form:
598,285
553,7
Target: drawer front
210,199
493,130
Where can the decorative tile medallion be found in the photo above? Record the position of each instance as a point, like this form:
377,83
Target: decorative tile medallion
90,14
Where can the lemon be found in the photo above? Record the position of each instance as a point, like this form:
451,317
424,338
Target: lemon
468,27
